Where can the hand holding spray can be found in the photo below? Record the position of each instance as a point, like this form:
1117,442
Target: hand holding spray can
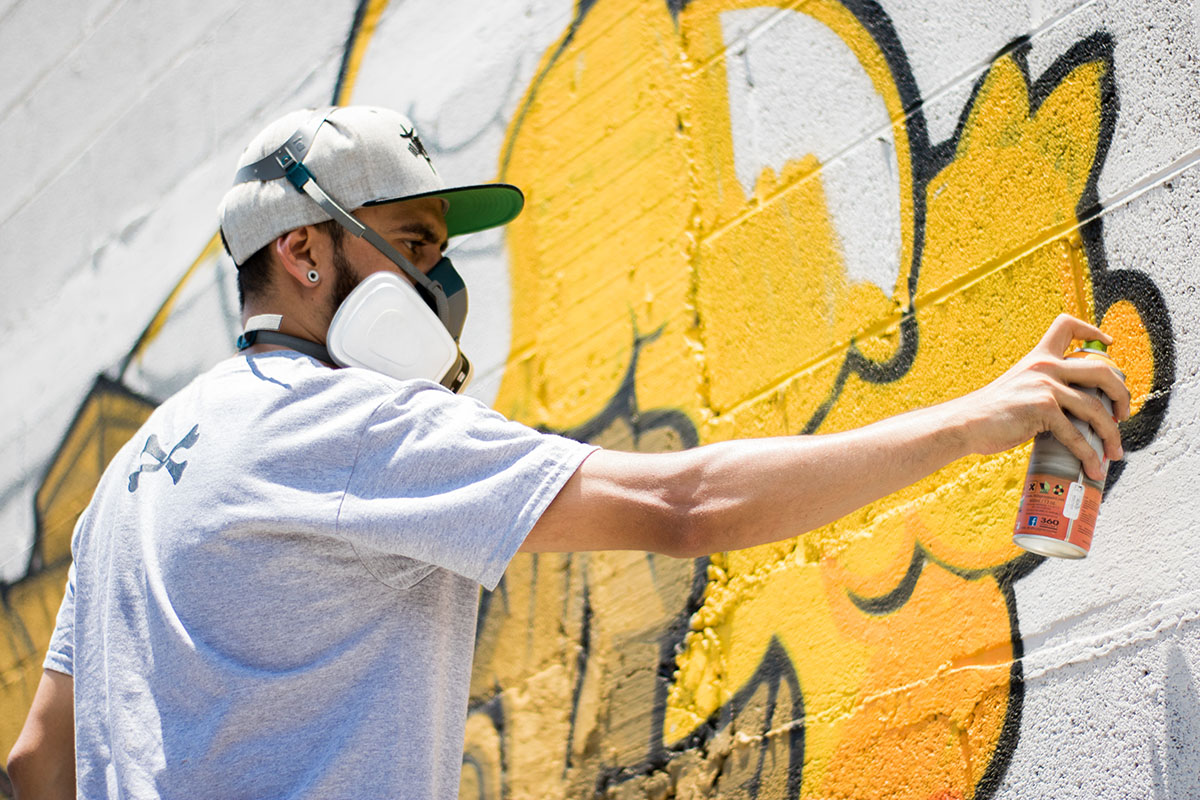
1059,502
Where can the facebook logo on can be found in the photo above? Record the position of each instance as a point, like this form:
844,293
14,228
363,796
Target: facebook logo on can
1033,520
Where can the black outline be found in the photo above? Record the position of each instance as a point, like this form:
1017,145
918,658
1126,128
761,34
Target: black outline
892,601
493,708
581,664
103,385
360,13
1005,576
774,669
624,406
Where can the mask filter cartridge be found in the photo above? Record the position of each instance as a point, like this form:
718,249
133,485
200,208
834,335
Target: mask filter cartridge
383,325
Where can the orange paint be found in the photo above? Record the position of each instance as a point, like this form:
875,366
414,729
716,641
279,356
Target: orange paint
1131,350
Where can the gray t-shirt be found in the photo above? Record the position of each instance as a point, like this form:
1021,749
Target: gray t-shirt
275,586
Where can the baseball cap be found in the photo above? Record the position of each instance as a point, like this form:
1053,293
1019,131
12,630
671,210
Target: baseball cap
360,156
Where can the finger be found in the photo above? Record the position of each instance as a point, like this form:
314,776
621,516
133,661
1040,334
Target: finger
1073,440
1066,328
1090,372
1086,407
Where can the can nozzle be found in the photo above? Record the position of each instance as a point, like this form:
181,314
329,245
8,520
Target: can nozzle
1096,345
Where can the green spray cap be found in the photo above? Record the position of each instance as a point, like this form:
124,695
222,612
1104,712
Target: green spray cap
1097,345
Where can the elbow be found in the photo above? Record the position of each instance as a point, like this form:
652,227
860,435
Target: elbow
691,530
17,767
694,512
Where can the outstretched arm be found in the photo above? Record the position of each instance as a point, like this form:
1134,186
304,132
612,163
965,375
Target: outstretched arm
42,762
738,494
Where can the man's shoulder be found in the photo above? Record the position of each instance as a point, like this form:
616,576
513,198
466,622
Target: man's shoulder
286,374
288,388
282,393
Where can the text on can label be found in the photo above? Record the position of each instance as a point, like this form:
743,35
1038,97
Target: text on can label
1074,501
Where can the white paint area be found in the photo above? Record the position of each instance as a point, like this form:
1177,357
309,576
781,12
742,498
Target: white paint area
461,107
795,88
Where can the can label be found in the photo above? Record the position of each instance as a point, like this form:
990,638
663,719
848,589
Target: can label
1058,508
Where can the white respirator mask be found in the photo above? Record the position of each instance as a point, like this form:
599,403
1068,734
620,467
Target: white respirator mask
383,325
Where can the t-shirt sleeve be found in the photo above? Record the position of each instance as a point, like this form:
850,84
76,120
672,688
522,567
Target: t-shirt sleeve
445,480
60,656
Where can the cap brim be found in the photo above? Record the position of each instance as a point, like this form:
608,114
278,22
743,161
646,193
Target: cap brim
474,208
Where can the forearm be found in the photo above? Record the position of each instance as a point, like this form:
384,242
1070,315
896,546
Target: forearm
748,492
48,780
42,762
734,495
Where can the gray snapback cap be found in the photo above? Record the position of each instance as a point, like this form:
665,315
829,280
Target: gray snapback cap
360,156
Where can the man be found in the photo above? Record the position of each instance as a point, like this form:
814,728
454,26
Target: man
274,588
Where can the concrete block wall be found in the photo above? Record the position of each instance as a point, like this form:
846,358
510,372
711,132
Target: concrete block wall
743,219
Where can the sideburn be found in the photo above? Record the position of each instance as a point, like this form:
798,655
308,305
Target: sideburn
343,276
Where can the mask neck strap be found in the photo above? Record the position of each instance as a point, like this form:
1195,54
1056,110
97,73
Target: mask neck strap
264,329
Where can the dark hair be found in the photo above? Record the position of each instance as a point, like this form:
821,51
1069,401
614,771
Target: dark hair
254,274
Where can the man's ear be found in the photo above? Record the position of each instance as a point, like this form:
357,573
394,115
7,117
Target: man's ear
296,253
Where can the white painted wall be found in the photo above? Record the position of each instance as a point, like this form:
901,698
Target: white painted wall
120,123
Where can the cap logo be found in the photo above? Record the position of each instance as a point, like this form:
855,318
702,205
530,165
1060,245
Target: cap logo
414,145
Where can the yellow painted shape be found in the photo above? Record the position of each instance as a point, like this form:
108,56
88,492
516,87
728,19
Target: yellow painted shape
756,304
101,427
1014,185
26,623
597,149
740,616
757,308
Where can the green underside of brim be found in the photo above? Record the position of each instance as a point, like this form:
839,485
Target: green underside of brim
474,208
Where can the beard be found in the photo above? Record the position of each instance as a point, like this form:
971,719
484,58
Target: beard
344,279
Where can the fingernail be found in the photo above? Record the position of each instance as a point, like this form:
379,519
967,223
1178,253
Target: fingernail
1120,452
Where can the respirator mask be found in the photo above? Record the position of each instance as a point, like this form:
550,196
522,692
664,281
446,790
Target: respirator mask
386,324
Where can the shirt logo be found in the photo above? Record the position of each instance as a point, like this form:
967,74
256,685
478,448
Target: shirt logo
159,459
414,145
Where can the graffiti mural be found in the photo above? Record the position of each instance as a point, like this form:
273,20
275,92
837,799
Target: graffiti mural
880,656
737,224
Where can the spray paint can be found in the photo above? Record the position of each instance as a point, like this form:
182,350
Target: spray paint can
1059,502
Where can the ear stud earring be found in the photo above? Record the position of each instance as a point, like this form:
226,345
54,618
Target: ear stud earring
313,276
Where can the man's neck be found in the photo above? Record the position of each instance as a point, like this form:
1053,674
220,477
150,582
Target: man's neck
275,333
